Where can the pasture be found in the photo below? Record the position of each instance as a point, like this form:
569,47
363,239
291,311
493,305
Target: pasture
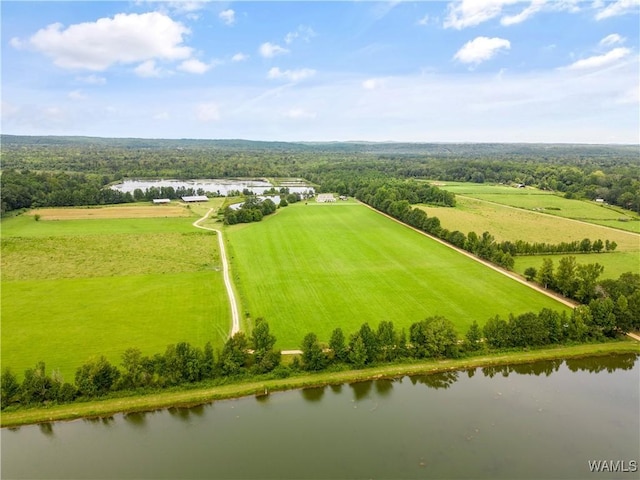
126,211
317,267
508,223
73,289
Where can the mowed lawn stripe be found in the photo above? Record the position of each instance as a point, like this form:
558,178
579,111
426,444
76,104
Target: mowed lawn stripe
315,269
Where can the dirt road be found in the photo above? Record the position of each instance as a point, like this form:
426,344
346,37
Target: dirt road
235,318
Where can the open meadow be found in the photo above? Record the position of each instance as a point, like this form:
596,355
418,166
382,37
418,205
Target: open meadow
320,266
73,289
528,214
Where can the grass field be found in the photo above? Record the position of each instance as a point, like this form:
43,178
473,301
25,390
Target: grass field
318,267
506,223
72,289
128,211
540,216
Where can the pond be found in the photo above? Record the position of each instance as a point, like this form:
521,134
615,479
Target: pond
543,420
219,186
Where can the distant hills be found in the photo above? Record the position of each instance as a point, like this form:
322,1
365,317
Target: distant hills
382,148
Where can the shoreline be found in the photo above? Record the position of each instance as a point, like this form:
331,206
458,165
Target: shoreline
198,396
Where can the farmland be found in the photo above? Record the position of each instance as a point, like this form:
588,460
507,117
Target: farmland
317,267
537,216
73,289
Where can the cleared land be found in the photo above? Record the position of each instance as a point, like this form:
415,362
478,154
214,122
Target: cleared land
318,268
136,211
536,216
73,289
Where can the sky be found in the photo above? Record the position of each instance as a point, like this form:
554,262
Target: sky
548,71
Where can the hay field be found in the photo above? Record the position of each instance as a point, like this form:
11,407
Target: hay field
315,268
73,289
134,211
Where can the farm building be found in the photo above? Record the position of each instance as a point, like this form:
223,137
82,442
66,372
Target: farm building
195,198
161,200
325,198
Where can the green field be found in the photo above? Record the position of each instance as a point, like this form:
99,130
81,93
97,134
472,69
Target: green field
72,289
318,267
537,216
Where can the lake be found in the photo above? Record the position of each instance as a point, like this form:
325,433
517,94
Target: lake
542,420
219,186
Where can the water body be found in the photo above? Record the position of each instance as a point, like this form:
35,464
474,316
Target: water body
219,186
544,420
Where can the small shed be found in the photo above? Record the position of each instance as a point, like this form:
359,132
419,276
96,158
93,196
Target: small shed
195,198
161,200
599,200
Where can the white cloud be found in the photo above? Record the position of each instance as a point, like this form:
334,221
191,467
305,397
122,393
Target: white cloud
303,33
194,66
598,61
481,49
300,114
92,80
125,38
612,39
534,7
228,16
619,7
270,50
468,13
15,42
147,69
161,116
207,112
372,83
290,75
239,57
77,95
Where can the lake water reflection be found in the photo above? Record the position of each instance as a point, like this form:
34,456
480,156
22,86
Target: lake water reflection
543,420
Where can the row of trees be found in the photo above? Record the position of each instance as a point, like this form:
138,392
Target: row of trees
614,309
180,364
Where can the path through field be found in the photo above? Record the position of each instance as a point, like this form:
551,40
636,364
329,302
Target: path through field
235,318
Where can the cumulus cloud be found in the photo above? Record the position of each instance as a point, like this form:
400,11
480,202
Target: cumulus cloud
194,66
239,57
612,39
147,69
227,16
207,112
481,49
125,39
291,75
617,8
598,61
270,50
424,21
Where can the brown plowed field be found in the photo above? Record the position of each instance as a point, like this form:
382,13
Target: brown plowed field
146,211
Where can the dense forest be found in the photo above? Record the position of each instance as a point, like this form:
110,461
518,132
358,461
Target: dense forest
60,171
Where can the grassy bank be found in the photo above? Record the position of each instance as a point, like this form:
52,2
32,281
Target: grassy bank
205,395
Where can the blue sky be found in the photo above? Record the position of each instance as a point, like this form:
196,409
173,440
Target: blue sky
430,71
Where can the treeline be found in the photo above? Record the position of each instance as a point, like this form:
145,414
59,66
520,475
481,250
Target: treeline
251,210
180,364
395,199
26,189
620,298
607,172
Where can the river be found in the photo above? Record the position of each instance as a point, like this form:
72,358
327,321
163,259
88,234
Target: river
543,420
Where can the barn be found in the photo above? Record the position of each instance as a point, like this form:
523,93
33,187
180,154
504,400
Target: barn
195,198
325,198
161,200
